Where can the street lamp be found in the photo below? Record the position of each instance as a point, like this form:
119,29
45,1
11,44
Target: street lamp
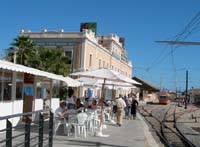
15,49
14,77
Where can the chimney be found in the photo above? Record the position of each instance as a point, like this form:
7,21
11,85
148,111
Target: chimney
122,40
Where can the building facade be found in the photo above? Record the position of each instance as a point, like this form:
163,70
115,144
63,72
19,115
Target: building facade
86,50
194,96
146,91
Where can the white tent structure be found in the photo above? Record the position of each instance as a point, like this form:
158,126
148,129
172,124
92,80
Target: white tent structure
96,84
105,74
85,81
104,77
93,82
69,81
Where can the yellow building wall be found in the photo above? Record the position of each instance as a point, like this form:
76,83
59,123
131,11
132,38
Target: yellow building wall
90,50
107,59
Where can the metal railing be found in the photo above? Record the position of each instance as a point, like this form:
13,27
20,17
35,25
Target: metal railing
28,133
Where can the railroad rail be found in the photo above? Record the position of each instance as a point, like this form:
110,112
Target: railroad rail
165,126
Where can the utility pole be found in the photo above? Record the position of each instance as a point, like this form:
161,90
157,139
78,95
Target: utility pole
181,43
186,89
160,82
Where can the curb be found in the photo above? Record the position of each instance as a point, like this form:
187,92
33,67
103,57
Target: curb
151,142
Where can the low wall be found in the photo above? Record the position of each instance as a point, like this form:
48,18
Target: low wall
10,108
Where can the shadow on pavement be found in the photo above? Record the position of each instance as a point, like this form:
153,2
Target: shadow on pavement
88,143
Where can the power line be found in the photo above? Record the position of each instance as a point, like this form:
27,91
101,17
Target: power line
188,30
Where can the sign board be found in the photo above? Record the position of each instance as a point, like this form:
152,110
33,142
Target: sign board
28,94
28,78
108,94
89,25
28,90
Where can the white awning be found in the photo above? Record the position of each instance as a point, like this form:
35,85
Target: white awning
98,82
70,82
107,74
21,68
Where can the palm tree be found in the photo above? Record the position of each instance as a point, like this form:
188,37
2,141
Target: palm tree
9,55
50,60
53,60
26,50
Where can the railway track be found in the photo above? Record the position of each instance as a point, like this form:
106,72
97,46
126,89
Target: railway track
165,125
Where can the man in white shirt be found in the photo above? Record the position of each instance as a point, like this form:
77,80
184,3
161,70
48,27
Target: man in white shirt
60,115
120,109
61,111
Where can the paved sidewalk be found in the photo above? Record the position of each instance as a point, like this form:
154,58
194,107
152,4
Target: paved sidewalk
133,133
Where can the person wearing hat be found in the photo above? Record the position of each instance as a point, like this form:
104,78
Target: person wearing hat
120,109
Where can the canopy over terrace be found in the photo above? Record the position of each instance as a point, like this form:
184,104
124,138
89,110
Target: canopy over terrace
105,74
21,68
98,83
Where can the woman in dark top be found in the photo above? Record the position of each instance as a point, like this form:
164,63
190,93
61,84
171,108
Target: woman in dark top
78,104
134,106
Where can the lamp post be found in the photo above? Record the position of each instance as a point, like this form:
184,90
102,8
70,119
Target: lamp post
15,49
14,77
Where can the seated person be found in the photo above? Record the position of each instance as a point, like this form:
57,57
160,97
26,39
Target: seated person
94,104
79,105
61,110
86,102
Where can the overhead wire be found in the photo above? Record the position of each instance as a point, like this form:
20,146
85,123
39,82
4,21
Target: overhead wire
174,67
189,29
192,21
155,61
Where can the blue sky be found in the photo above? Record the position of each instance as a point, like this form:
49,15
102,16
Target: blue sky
141,22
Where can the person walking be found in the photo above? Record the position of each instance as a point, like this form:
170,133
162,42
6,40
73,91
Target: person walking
120,109
125,98
134,106
128,106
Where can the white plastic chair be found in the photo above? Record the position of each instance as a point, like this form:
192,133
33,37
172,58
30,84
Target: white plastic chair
90,122
80,127
72,121
96,121
59,122
107,113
